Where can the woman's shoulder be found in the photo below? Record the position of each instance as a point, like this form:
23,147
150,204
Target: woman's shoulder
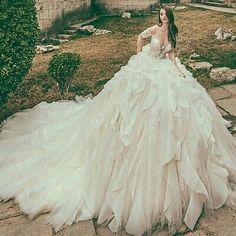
148,32
158,27
153,29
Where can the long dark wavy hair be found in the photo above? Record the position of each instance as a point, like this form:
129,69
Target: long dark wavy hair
172,28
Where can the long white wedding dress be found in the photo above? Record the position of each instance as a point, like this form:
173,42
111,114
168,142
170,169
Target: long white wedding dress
151,148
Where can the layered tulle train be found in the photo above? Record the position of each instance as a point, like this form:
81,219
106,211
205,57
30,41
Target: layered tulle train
151,148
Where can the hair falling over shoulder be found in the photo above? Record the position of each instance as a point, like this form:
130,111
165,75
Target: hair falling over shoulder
172,28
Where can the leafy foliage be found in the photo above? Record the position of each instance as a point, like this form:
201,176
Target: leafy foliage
18,35
62,68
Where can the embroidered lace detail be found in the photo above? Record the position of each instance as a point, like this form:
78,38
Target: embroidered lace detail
158,50
146,33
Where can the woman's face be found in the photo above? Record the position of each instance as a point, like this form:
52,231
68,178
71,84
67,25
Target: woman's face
163,16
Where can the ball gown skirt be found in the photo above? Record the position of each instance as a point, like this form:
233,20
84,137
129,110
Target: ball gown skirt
150,149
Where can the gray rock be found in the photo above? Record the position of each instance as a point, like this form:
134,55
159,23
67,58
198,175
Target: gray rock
223,33
46,48
88,28
61,40
65,36
200,65
223,74
91,29
233,37
80,98
70,31
194,56
180,8
101,31
126,15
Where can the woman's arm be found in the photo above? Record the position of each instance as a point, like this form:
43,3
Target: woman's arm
145,34
139,44
171,55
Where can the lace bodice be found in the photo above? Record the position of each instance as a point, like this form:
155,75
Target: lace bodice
156,48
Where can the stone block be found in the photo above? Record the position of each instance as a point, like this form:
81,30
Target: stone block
23,227
231,88
82,228
219,93
222,112
228,104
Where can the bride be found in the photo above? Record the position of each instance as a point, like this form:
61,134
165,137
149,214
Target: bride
151,149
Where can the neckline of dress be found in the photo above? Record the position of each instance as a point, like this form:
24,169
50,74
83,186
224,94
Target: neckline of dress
161,42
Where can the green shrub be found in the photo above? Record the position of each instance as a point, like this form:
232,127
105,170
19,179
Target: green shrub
62,68
18,35
80,89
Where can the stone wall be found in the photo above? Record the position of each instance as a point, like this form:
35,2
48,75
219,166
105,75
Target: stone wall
49,10
114,7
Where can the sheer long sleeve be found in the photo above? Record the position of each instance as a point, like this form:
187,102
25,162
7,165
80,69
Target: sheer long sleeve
146,33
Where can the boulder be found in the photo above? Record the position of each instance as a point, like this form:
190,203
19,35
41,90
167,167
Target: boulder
126,15
200,65
194,56
223,33
180,8
88,28
46,48
101,31
233,37
223,74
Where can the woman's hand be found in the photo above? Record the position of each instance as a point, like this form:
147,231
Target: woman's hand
171,56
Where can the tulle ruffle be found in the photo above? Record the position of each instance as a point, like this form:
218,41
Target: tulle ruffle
150,149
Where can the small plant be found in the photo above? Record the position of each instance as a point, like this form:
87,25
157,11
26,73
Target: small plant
62,68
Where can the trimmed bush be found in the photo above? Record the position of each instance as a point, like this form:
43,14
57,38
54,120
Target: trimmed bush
18,35
62,68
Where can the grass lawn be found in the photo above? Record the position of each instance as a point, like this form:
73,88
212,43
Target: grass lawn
103,55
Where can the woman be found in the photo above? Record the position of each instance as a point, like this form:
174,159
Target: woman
151,149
